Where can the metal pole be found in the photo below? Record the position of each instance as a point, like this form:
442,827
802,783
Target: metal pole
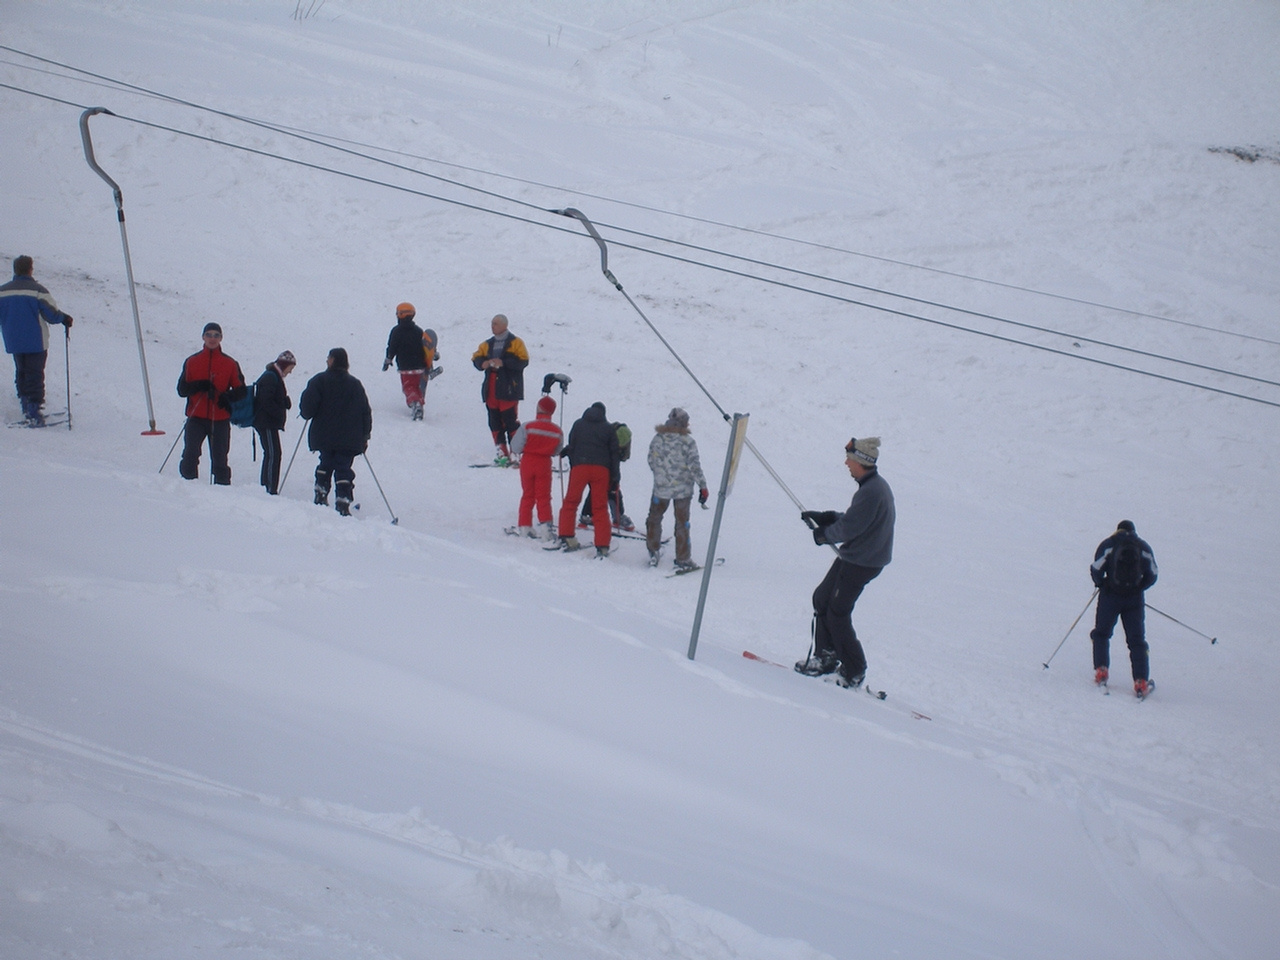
394,519
739,422
181,434
128,261
1069,629
67,343
280,488
1181,624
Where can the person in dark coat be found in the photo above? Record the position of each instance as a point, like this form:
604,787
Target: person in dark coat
26,310
405,349
271,405
865,535
502,359
1123,569
593,455
341,424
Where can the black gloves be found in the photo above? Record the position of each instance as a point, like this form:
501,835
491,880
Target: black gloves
386,365
66,318
819,518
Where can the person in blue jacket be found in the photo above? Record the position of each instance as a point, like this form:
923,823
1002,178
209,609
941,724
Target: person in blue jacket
341,423
26,310
1123,569
864,533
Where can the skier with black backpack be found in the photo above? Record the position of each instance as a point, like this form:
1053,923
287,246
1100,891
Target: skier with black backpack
1123,569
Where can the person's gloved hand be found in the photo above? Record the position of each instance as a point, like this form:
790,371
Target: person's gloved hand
818,538
819,518
67,319
702,497
386,365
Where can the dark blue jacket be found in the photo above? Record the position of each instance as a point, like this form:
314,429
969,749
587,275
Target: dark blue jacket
338,408
25,310
1098,569
404,345
594,440
271,401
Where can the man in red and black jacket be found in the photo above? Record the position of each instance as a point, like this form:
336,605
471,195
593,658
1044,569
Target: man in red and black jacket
211,381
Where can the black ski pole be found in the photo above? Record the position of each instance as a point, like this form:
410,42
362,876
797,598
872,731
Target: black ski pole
181,433
564,388
67,331
1181,624
280,489
394,519
1070,628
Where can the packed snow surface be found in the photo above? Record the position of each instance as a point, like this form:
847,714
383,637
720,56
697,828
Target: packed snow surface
1032,246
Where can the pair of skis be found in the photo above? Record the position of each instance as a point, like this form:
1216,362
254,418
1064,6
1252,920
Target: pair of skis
877,694
55,419
1106,691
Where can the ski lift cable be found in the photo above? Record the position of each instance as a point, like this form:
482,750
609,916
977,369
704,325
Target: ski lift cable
722,269
328,141
943,306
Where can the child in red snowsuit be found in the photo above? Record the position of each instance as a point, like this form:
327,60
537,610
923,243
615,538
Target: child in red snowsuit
535,443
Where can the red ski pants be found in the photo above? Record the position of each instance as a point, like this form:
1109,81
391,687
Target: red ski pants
580,477
535,484
411,382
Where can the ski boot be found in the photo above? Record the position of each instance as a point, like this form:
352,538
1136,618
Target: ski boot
849,682
817,665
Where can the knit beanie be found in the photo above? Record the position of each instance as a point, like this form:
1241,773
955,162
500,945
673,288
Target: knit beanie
1126,526
678,418
864,451
546,405
211,328
286,359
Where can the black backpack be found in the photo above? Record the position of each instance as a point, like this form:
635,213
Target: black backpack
1124,566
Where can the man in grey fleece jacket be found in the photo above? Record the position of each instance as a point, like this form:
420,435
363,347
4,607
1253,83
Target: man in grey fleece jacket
865,535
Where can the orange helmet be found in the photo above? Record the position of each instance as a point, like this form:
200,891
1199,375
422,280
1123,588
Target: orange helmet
405,310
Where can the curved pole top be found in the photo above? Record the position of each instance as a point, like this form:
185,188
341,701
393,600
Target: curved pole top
591,229
88,151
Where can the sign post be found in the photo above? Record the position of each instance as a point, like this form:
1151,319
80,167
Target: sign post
732,456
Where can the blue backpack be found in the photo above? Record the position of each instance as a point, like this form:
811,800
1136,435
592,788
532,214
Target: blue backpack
242,409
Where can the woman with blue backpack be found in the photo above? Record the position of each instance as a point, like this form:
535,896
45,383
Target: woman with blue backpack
271,405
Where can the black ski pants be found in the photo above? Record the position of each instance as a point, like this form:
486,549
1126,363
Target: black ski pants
833,601
336,464
503,423
218,433
1131,611
270,440
28,376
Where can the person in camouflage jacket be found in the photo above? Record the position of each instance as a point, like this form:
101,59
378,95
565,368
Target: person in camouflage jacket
677,469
